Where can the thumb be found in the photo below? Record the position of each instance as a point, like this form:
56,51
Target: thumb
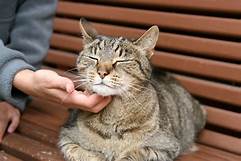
14,124
63,83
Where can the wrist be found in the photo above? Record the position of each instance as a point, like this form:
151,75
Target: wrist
23,81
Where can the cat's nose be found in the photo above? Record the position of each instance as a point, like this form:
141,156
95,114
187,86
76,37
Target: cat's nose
102,74
104,69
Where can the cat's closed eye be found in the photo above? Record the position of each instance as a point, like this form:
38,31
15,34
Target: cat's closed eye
91,58
122,61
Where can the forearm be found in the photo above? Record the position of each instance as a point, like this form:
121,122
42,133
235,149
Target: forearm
11,62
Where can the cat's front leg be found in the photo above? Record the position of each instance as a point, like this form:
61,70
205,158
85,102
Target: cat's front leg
148,154
74,152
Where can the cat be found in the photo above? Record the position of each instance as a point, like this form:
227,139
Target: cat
151,117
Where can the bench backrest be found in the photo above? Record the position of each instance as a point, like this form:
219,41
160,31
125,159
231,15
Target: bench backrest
200,43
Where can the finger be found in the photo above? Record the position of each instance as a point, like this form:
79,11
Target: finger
14,123
101,105
76,98
65,84
88,101
57,95
70,87
3,126
62,83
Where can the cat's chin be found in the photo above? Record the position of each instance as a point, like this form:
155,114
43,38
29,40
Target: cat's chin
104,90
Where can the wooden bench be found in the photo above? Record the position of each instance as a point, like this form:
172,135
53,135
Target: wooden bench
200,42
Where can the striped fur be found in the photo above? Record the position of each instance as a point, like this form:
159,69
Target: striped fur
151,117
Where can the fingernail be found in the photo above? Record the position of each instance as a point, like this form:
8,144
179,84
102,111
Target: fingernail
69,88
10,130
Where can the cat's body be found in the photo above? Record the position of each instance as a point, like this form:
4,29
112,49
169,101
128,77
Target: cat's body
156,120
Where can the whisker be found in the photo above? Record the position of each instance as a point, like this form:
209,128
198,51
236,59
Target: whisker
80,80
137,89
78,76
139,86
80,85
72,76
69,70
80,73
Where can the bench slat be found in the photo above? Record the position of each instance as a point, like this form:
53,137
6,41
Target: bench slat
223,6
59,41
215,91
221,141
7,157
224,118
37,132
207,154
32,149
184,22
61,58
217,153
34,116
56,110
199,66
176,42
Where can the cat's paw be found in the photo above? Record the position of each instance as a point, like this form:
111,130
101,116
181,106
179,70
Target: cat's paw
85,157
89,159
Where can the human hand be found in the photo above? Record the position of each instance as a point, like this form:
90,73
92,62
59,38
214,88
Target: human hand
8,114
48,85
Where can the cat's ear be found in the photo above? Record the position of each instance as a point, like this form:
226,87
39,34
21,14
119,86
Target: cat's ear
88,31
148,40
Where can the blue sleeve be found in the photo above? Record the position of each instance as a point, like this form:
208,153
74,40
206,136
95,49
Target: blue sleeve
29,42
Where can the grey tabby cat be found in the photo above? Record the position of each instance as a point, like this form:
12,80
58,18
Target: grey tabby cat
151,117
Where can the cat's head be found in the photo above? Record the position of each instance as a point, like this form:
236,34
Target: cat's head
114,65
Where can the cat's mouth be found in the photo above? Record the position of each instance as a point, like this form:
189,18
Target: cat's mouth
104,89
102,84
